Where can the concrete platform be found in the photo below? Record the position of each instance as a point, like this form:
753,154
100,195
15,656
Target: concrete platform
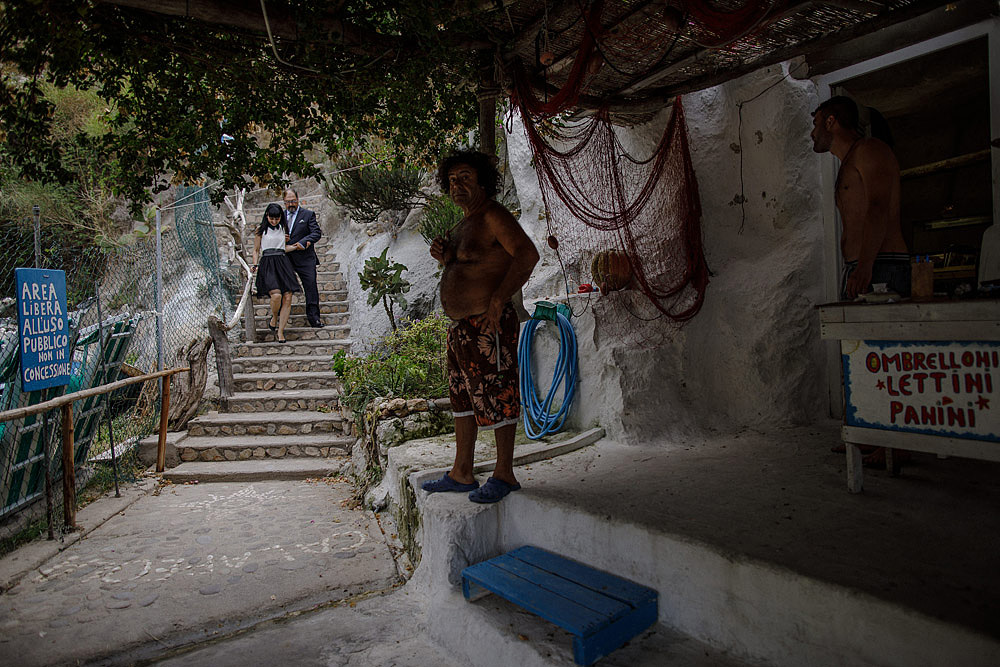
754,545
188,564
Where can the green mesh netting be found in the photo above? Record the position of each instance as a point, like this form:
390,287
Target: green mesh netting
196,232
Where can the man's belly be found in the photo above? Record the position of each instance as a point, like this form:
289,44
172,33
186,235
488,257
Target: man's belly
466,290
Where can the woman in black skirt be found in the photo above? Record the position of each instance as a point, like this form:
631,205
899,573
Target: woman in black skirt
275,275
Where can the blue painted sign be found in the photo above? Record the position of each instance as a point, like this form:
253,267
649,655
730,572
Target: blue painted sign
949,388
44,328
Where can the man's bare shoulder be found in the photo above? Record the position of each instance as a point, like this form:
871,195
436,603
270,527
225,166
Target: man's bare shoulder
875,153
497,213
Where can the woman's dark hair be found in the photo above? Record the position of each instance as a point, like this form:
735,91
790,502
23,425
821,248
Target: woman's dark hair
486,171
273,211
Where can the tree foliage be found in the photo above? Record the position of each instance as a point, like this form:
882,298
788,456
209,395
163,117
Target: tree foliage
395,71
375,189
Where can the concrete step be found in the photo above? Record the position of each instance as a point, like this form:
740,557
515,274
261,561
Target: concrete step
319,348
300,320
299,308
329,271
255,470
246,447
300,422
328,333
281,364
286,399
285,380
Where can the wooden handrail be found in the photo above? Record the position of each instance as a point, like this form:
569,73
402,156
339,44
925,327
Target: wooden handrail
65,403
59,401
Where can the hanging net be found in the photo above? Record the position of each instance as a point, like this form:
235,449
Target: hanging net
631,225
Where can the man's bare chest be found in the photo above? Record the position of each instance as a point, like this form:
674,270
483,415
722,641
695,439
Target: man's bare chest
473,243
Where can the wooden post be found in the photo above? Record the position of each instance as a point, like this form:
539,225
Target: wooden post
487,119
223,361
161,445
855,469
69,471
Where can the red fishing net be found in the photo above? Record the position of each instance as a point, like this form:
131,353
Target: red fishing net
615,214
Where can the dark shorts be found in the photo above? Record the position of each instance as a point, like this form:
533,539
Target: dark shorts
891,268
477,385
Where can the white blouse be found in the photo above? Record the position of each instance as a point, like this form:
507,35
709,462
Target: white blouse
274,237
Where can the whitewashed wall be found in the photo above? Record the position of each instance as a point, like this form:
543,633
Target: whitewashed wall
752,357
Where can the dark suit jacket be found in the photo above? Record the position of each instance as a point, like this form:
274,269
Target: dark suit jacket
306,229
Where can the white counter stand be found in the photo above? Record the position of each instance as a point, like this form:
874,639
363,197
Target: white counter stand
918,376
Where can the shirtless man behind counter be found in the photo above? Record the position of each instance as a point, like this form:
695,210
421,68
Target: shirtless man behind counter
487,257
867,194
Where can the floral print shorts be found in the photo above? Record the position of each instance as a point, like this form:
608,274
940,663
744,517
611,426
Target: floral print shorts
482,370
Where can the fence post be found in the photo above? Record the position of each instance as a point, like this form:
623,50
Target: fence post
104,375
48,474
161,445
159,293
69,471
36,213
223,361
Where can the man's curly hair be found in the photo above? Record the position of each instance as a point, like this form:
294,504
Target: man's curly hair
486,171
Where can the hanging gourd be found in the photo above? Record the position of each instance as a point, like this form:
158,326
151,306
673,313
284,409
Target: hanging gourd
611,270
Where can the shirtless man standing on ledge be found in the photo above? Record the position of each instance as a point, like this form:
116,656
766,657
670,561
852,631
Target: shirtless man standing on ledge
487,257
867,194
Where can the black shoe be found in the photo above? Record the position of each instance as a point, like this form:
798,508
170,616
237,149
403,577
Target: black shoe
316,325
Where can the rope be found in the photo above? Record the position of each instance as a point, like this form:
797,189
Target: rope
538,421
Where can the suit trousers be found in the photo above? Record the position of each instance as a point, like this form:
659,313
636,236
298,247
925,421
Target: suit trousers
306,271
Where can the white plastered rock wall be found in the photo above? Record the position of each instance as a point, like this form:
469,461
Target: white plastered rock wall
752,357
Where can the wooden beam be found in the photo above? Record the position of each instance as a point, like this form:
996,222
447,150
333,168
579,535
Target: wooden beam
942,165
488,125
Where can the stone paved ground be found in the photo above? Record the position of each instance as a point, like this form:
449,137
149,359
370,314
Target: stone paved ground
193,562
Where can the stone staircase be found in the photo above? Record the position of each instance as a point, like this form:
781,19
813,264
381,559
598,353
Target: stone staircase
284,419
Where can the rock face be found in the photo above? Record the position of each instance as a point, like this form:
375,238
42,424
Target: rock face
752,356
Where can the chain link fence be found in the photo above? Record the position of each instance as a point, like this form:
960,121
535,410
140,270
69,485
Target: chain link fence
112,297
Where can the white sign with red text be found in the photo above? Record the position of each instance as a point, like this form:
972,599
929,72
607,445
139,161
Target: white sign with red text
935,388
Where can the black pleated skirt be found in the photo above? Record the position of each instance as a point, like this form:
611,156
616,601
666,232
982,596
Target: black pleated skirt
275,272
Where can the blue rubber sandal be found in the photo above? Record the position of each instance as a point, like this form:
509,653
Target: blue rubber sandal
446,483
492,491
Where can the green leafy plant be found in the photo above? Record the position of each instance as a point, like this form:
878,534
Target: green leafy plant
375,189
439,217
410,362
382,279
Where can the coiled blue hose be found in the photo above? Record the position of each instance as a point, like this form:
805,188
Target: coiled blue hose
538,421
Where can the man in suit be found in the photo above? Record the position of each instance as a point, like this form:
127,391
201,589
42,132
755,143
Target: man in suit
303,233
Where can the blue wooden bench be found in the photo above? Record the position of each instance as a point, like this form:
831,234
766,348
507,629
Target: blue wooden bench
602,611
